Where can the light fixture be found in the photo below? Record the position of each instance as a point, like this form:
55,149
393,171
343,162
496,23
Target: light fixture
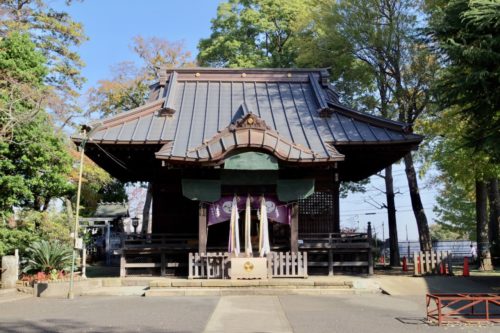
135,223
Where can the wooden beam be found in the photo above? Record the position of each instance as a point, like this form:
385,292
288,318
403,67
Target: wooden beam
294,229
202,229
336,207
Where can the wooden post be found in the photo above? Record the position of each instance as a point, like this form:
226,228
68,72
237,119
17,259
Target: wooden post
370,250
163,265
294,229
123,261
202,229
336,202
84,258
108,248
330,262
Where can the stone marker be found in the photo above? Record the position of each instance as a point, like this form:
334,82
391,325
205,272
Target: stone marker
10,271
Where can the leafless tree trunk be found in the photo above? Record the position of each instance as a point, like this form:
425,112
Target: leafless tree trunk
494,223
146,222
391,217
483,245
424,236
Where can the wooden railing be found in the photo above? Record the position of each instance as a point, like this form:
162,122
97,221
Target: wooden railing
159,241
153,250
331,244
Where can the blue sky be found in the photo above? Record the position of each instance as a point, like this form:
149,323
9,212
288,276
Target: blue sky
111,25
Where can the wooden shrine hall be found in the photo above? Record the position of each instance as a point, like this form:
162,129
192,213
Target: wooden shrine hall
209,138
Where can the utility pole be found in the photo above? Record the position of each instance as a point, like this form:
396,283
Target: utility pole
86,131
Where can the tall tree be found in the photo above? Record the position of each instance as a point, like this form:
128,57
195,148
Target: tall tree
55,34
129,86
467,170
467,36
34,162
378,39
494,219
254,33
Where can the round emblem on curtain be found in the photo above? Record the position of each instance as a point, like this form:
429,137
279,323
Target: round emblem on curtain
227,206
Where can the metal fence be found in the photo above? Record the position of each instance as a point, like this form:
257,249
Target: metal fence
458,248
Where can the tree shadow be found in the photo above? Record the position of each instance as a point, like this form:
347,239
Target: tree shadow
67,326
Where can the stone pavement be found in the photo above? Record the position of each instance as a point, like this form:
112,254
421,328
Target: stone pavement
372,313
409,285
9,295
238,314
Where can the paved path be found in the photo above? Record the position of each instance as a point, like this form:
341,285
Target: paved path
241,314
259,314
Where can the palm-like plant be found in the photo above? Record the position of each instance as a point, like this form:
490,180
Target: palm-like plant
44,256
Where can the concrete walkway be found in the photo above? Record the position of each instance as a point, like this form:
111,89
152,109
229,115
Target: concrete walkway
241,314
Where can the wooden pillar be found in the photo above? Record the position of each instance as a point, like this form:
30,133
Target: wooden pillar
202,229
84,257
123,262
108,245
294,229
336,201
370,248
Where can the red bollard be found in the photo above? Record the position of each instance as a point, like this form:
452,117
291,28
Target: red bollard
466,267
441,269
405,265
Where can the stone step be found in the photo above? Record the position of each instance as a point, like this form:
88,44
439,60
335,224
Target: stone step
270,291
275,283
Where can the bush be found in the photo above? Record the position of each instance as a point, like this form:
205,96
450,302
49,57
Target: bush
15,238
44,256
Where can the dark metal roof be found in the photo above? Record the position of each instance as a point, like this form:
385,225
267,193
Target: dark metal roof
111,209
191,110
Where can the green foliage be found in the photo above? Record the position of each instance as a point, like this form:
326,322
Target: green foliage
22,72
55,35
353,187
254,33
20,61
47,225
34,167
45,256
467,34
440,233
32,226
15,238
455,211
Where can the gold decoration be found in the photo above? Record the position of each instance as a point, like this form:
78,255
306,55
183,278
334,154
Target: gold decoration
248,266
289,75
197,74
250,121
243,75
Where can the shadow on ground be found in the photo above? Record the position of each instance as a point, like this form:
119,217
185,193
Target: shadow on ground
67,326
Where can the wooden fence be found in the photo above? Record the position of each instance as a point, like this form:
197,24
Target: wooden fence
216,265
209,265
287,264
433,262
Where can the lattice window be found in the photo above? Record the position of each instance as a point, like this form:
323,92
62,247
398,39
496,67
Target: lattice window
316,213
